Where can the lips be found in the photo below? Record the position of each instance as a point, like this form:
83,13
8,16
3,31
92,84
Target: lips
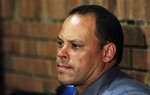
63,67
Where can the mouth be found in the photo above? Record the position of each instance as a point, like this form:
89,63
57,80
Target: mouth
63,67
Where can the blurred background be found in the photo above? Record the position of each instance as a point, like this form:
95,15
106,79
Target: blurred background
28,30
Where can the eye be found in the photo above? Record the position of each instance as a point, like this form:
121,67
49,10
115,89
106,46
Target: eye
60,43
76,46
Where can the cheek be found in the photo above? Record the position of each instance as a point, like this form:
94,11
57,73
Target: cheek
82,62
79,58
83,57
85,61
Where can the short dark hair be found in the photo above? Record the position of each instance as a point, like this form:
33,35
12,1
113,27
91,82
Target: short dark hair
108,28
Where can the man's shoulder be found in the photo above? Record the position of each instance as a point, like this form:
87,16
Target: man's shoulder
126,87
125,92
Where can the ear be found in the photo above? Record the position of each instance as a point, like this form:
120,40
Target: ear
109,52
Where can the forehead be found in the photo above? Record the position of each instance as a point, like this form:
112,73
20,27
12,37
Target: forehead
86,19
78,26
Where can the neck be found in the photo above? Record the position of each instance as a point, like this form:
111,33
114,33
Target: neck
80,88
90,80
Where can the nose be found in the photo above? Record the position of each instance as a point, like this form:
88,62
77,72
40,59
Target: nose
63,53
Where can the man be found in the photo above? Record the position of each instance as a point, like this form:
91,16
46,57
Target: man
90,46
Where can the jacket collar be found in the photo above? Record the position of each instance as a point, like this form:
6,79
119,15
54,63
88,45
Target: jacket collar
102,82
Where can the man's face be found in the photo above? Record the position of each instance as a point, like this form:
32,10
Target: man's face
79,57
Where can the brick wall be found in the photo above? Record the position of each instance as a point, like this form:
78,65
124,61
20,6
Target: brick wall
28,33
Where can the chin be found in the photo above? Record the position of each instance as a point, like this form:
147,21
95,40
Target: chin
65,81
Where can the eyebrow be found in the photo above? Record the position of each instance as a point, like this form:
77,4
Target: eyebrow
58,38
75,41
71,41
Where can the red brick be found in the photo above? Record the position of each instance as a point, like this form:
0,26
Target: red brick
111,5
147,79
33,66
52,70
96,2
121,9
25,8
7,45
73,3
142,9
45,67
146,30
24,83
51,85
38,30
136,9
22,64
126,10
15,29
146,10
8,63
140,76
54,29
19,29
141,59
133,36
126,60
19,46
48,49
28,47
129,10
56,9
6,28
30,8
40,67
7,8
16,46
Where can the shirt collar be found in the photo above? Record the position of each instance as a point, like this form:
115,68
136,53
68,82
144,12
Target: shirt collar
101,82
